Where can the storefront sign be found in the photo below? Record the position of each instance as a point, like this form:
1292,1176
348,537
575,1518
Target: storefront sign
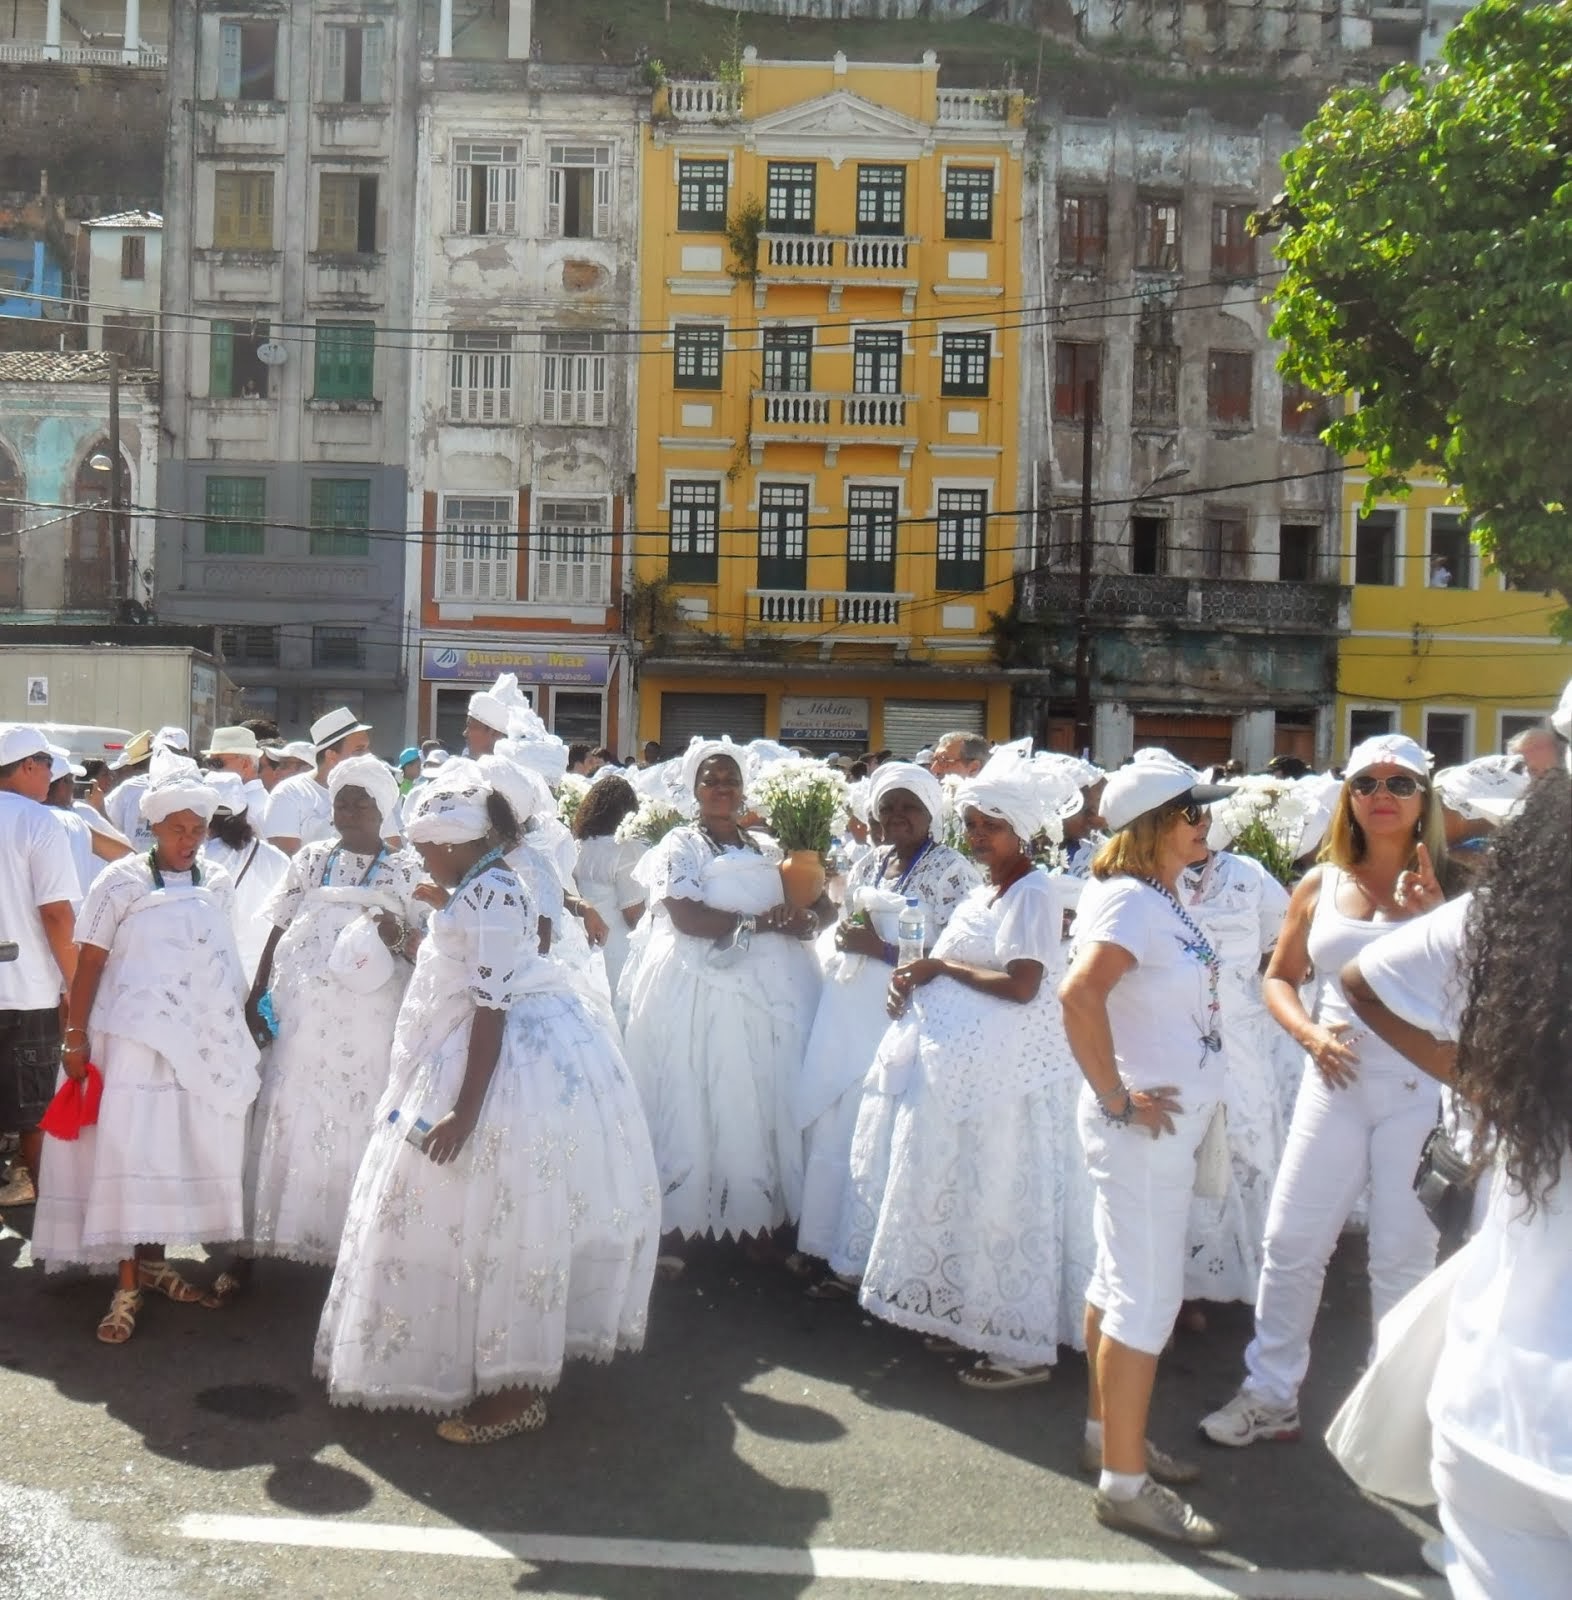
809,717
459,663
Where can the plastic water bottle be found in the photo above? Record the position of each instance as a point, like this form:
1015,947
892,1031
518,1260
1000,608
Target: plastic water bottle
910,932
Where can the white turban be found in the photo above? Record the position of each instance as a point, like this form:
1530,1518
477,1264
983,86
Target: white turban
230,788
451,809
916,781
366,772
1488,787
698,752
494,706
1011,789
532,744
172,738
760,755
175,784
1083,774
522,787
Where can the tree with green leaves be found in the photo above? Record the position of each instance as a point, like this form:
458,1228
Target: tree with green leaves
1426,231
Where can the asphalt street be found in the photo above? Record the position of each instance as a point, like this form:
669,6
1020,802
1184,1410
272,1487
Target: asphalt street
762,1445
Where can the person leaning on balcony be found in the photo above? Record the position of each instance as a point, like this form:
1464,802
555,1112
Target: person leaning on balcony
961,753
1142,1011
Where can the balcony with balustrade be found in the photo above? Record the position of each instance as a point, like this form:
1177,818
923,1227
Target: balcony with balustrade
832,419
827,617
92,33
837,262
1248,605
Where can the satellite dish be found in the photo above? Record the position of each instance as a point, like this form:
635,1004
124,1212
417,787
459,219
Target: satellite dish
272,353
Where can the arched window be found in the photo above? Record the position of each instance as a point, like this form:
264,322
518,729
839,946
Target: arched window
90,571
12,487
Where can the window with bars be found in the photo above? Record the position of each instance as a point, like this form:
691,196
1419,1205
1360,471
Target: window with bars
571,553
247,60
696,356
234,507
1083,230
968,202
234,369
963,363
1225,545
876,361
693,523
573,379
345,358
340,517
578,191
352,65
788,360
881,200
347,213
789,197
485,187
783,536
344,648
478,550
243,210
870,539
1157,235
1230,377
701,196
480,376
249,646
962,530
133,256
1233,250
1075,366
1154,398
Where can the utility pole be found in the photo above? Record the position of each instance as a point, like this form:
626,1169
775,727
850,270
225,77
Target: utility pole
117,593
1083,601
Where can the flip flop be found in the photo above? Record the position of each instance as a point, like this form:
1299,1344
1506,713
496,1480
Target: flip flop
990,1373
455,1430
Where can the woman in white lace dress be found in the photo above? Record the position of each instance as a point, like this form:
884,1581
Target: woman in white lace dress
158,1005
604,871
719,1013
253,866
506,1216
851,1019
336,963
955,1217
1240,907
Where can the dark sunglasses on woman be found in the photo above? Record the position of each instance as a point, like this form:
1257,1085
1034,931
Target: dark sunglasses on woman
1190,811
1401,787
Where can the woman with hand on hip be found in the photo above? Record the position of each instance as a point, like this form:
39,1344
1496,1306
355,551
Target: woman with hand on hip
1142,1008
1363,1111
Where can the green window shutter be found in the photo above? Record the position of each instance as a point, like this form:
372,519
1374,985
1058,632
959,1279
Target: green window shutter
221,360
340,516
236,506
345,352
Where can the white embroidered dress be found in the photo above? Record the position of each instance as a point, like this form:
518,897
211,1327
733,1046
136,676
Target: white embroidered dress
605,877
323,1074
255,870
168,1032
1239,906
848,1026
968,1212
538,1242
715,1041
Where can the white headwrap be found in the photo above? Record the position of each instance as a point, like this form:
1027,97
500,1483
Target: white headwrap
698,752
760,755
857,799
532,744
366,772
451,809
230,788
1083,774
522,787
172,738
494,706
1011,788
175,784
1488,787
916,781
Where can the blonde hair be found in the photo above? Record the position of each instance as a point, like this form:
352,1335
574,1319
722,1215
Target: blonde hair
1136,849
1345,839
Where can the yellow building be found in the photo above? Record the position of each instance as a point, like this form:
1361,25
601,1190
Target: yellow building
1441,648
827,465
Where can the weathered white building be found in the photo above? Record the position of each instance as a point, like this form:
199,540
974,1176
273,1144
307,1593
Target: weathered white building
522,387
288,243
125,254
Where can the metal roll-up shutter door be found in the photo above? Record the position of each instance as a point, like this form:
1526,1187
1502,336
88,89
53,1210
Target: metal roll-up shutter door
709,716
910,725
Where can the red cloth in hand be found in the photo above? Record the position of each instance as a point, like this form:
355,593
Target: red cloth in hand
75,1105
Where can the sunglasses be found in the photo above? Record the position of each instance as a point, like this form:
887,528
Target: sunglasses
1402,787
1190,811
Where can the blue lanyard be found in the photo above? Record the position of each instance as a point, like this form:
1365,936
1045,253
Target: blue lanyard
158,877
490,858
911,868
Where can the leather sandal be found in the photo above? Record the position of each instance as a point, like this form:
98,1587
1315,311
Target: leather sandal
457,1431
161,1278
119,1321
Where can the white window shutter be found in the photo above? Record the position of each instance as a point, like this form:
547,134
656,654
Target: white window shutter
371,38
333,65
510,199
504,388
494,199
554,178
461,182
548,388
229,61
602,202
598,388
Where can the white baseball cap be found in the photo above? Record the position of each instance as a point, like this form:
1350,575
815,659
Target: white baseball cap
1154,778
62,766
1388,750
20,740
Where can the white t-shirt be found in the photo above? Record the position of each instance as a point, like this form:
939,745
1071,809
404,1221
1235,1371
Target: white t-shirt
256,801
80,839
36,869
123,807
298,808
1160,1013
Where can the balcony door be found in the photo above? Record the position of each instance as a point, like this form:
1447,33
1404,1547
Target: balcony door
870,540
783,536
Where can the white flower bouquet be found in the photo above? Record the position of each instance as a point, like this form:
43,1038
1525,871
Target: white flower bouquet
570,794
651,822
1263,818
803,801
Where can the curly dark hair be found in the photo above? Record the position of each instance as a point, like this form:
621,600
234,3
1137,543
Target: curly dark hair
1515,1051
609,800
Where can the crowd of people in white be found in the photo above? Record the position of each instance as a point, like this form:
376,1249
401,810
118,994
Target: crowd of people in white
1043,1064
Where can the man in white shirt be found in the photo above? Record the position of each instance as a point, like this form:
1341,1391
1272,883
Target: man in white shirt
235,749
37,887
122,805
299,810
91,846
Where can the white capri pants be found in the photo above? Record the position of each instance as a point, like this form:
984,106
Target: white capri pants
1141,1218
1509,1540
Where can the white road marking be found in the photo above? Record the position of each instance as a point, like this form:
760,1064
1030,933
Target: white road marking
1063,1577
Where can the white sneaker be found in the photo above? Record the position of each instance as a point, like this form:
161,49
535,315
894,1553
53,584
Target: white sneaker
1156,1511
19,1191
1245,1420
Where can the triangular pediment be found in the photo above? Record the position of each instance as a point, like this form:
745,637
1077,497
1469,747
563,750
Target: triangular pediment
843,117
